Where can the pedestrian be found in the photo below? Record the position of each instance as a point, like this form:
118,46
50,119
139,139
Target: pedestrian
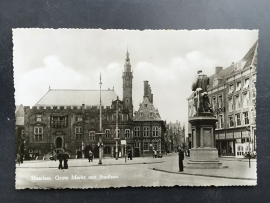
90,156
155,154
60,158
130,154
181,158
66,156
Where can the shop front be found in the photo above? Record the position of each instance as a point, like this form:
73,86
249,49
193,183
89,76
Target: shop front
230,143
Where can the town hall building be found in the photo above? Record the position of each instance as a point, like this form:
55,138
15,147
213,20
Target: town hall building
70,120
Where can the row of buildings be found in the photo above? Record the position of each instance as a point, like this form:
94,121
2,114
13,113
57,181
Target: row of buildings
70,120
232,94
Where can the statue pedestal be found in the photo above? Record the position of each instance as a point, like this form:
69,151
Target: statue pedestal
203,153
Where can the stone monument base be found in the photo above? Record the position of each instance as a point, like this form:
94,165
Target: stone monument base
206,158
203,154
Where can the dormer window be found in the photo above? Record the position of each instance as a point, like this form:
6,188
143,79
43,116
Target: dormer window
238,86
215,82
151,114
246,84
141,114
145,105
231,89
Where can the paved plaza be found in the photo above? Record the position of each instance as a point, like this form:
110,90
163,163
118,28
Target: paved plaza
137,172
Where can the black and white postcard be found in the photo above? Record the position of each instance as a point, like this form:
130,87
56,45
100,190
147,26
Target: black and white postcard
117,108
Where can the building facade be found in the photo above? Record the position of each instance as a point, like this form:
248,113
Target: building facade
176,136
149,128
232,94
70,120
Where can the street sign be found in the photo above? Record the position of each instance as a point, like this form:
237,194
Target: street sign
123,142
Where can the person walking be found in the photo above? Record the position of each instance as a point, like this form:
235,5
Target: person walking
60,158
65,157
181,158
90,157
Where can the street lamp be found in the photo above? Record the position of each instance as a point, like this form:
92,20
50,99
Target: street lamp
116,132
100,144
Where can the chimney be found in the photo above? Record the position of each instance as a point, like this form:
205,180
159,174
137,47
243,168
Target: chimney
218,69
146,87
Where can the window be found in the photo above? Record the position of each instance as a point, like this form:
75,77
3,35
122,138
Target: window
107,133
155,131
127,133
136,144
59,121
92,135
78,133
38,117
145,131
22,134
237,102
79,118
220,121
117,133
151,114
238,86
220,104
136,131
230,89
246,100
246,120
246,84
38,133
231,124
238,120
214,103
141,114
145,105
146,146
230,104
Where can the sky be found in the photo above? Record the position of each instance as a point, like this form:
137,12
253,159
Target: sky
168,59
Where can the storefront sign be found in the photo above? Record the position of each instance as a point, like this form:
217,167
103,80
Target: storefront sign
229,135
222,136
237,135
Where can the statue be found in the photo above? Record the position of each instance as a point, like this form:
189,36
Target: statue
199,88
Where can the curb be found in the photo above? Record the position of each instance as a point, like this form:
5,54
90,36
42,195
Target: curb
197,174
94,165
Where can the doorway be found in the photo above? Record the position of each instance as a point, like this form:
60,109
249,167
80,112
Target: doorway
59,142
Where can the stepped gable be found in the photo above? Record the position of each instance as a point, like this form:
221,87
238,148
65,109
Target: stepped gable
143,114
68,97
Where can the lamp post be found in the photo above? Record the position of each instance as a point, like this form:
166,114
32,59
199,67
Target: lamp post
116,132
100,144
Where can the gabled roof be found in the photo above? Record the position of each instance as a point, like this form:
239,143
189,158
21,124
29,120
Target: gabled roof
62,97
248,59
143,114
19,115
221,76
19,111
